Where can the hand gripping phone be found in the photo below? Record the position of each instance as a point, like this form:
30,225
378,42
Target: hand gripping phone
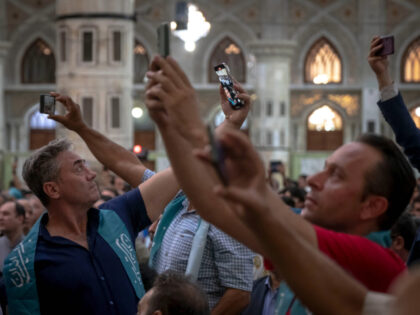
226,81
388,46
47,104
163,35
217,156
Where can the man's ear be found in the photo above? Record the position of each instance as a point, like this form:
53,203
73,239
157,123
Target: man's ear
373,207
398,243
51,189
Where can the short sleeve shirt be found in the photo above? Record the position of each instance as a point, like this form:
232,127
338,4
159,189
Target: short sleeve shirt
373,265
74,280
226,263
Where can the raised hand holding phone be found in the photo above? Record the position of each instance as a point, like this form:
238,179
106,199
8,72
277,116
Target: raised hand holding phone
379,63
226,81
387,43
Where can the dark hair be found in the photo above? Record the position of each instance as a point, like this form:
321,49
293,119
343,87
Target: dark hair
175,294
406,228
288,201
20,210
148,275
42,166
298,193
392,178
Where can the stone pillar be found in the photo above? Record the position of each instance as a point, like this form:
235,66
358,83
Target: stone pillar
103,75
374,10
4,46
270,128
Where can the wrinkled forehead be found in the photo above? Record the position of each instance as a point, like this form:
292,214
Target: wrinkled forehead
67,159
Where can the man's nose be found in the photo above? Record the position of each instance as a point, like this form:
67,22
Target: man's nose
91,175
316,181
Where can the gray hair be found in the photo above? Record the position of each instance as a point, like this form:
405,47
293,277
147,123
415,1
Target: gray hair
42,166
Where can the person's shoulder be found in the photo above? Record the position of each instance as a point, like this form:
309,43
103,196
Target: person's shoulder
133,195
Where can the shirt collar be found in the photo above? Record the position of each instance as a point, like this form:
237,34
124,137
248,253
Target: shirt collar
92,224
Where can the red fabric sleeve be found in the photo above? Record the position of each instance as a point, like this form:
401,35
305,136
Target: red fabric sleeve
376,267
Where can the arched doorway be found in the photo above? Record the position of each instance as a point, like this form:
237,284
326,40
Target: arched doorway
324,129
41,130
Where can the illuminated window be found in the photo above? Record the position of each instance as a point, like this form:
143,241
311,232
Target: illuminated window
41,121
415,114
229,52
323,64
38,63
42,130
141,62
411,62
325,119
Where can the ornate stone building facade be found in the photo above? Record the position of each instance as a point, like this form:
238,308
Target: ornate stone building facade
303,61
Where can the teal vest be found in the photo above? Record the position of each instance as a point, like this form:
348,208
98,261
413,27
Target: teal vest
198,243
19,266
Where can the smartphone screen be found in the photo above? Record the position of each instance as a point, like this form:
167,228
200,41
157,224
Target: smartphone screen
226,81
47,104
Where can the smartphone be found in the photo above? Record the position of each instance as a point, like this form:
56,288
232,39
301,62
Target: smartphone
163,34
226,81
388,46
217,157
47,104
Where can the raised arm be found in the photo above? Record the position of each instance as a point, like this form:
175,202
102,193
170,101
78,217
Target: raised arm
173,105
393,108
319,282
112,155
156,192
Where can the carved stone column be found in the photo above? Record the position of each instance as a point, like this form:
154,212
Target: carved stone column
95,65
270,128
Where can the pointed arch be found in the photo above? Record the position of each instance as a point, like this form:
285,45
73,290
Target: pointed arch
228,51
410,63
38,63
324,129
39,130
141,61
323,63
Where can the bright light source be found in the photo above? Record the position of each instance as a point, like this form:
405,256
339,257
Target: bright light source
197,28
137,149
189,46
321,79
173,25
417,111
137,112
324,119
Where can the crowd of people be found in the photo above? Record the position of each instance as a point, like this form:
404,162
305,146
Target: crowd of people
186,241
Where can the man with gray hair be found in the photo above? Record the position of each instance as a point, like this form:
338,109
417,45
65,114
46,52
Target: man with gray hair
78,259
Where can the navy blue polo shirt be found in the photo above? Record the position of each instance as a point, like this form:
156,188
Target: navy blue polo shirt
74,280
